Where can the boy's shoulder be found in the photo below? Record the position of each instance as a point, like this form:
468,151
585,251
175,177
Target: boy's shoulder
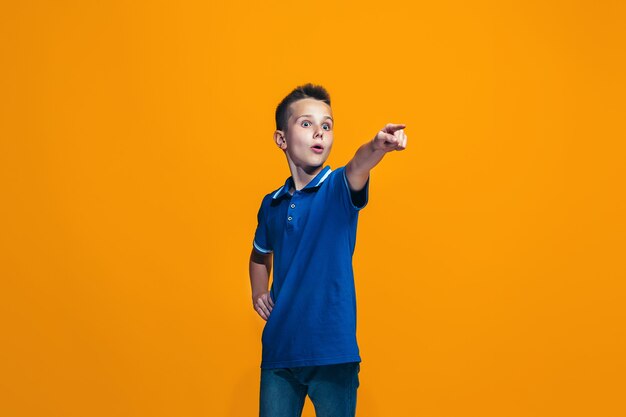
269,197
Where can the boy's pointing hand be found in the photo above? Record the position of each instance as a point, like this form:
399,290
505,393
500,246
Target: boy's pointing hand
390,138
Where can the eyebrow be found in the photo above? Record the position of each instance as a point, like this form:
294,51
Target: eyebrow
310,115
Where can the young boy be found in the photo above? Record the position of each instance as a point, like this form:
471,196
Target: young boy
309,226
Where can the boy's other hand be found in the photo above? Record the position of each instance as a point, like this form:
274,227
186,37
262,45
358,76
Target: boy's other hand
263,305
390,138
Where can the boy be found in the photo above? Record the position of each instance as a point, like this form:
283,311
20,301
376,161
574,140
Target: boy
308,227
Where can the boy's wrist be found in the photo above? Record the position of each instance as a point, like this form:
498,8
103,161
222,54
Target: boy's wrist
258,294
377,149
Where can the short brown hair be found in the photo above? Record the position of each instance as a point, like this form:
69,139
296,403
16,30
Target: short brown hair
302,91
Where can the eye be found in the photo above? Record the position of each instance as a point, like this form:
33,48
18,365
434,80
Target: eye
327,125
306,121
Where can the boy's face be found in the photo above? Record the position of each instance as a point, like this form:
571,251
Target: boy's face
309,136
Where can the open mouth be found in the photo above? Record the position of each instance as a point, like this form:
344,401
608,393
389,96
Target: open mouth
317,148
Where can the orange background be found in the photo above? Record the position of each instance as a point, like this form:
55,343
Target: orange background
137,145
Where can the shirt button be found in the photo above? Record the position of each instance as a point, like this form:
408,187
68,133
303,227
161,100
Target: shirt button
293,205
289,218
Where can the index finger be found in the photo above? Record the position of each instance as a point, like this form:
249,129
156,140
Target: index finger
392,127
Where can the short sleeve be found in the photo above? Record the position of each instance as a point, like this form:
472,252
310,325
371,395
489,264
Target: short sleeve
261,240
352,200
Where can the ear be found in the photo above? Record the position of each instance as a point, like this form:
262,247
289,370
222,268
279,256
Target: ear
279,138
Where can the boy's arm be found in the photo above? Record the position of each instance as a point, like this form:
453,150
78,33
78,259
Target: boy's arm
260,267
389,138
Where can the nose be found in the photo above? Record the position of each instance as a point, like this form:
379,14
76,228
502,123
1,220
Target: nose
319,133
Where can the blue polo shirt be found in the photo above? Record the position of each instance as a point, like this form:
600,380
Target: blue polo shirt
312,235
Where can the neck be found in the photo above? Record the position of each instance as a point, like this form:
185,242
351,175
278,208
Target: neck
302,176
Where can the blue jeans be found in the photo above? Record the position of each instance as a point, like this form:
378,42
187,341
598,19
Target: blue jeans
331,388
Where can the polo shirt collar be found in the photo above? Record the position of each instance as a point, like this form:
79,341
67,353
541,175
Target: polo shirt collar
314,183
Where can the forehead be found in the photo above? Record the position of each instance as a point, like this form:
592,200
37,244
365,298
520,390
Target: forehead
309,106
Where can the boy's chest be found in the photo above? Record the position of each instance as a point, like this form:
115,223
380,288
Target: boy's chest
293,214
